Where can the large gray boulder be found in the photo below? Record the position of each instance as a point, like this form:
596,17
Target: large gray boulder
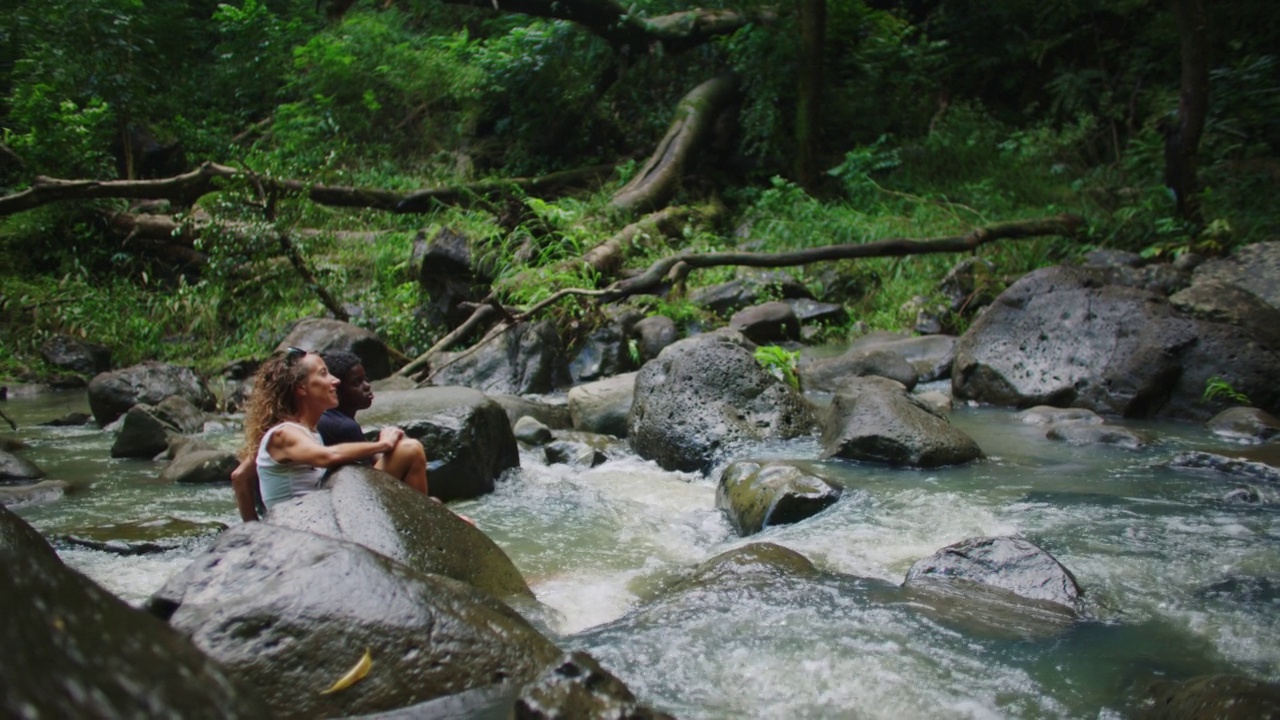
111,394
603,406
1011,564
1220,302
77,651
828,374
76,355
528,358
291,612
876,419
18,537
325,334
1255,268
15,468
1061,336
467,436
756,495
373,509
703,395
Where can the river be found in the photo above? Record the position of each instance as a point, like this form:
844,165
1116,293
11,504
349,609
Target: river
1181,581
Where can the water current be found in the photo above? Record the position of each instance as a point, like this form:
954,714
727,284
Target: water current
1181,581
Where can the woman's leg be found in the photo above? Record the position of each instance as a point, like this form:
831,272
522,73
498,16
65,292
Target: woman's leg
407,461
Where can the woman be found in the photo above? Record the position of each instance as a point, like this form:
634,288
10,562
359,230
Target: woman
291,390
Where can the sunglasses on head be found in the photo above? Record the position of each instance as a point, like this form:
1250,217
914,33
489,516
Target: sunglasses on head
291,354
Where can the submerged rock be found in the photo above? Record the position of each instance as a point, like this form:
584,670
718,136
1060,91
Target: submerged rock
875,419
1049,415
1221,697
1244,423
757,495
142,537
758,561
1197,460
291,612
81,652
1082,434
17,468
45,491
576,687
705,394
1007,563
570,452
373,509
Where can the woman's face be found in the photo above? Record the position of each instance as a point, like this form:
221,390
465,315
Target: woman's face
319,389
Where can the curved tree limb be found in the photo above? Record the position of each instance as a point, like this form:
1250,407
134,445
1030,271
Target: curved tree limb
657,180
187,187
1065,224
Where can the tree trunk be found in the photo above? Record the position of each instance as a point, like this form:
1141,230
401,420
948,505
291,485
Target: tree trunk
660,176
813,22
1193,107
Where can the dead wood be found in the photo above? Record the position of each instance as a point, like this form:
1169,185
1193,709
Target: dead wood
658,179
186,188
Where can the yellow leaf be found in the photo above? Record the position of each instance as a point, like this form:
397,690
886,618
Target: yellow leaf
357,671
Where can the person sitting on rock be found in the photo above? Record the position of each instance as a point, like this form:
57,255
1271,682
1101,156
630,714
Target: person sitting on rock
407,462
283,450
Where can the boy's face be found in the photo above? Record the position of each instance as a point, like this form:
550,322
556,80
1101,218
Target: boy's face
355,392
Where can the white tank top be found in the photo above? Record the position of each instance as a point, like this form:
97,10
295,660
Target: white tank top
280,481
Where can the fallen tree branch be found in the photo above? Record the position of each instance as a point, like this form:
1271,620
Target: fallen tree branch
186,188
1065,224
658,179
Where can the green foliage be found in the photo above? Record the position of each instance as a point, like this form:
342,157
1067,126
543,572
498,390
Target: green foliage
1217,386
780,363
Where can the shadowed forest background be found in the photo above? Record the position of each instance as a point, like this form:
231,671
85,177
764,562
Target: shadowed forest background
546,128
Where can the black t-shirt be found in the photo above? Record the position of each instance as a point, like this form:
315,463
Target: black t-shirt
335,427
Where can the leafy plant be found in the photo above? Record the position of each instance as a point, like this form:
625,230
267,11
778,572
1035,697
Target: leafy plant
780,363
1217,386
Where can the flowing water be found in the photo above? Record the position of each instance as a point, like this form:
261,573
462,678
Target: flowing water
1181,582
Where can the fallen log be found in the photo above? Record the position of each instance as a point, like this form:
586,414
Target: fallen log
186,188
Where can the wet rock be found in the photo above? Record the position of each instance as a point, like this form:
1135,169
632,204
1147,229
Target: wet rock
1255,268
702,395
567,452
200,467
87,654
754,562
603,406
467,436
929,355
64,351
1048,415
749,288
771,322
652,334
809,312
528,430
1243,496
290,612
1197,460
43,492
758,495
528,358
372,509
19,538
143,434
324,334
1081,434
875,419
552,413
181,444
575,686
17,468
1062,336
1244,589
142,537
1221,302
493,702
938,400
180,413
1244,423
1221,697
1012,564
605,352
71,419
111,394
830,373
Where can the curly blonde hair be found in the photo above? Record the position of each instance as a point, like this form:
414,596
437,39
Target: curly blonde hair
272,399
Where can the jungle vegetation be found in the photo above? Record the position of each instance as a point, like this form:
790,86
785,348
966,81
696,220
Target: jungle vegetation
325,140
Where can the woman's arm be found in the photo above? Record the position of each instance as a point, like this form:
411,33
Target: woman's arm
291,444
244,480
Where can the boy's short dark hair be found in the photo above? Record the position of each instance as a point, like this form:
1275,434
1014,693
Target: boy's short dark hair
340,362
